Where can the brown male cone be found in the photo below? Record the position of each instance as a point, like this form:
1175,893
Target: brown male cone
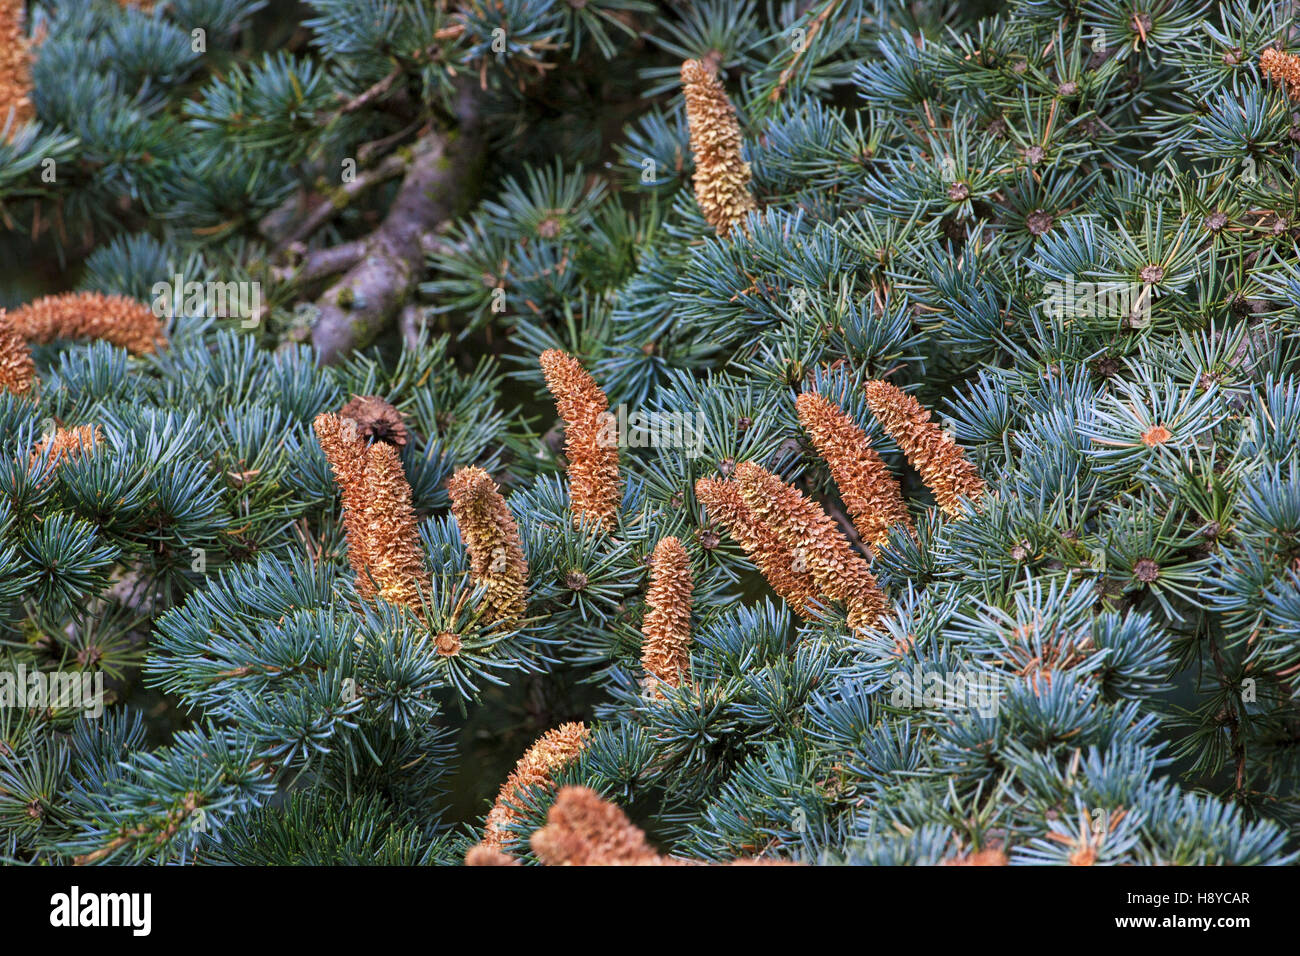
17,370
815,540
762,545
116,319
721,175
666,627
491,537
938,459
66,444
378,518
554,750
582,829
1282,68
392,532
15,67
345,450
593,459
870,492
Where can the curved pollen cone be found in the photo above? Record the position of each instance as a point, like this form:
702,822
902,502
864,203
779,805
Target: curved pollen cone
666,628
812,536
721,175
938,459
491,537
378,518
66,444
17,370
15,68
761,544
553,751
1282,68
593,457
870,492
115,319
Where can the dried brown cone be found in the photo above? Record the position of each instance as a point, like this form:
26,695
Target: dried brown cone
491,537
1282,68
761,544
376,419
392,532
17,370
985,857
721,175
480,855
553,751
870,492
15,67
66,444
815,540
939,460
666,627
593,460
115,319
345,450
582,829
378,518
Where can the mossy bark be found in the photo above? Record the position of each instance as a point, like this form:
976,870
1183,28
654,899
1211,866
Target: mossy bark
365,300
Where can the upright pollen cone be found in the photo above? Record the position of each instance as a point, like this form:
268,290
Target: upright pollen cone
812,536
378,517
17,370
870,492
553,751
938,459
15,68
116,319
345,450
666,628
491,537
392,533
591,450
724,504
721,175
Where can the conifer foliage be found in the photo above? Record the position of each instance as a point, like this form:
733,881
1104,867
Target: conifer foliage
831,432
